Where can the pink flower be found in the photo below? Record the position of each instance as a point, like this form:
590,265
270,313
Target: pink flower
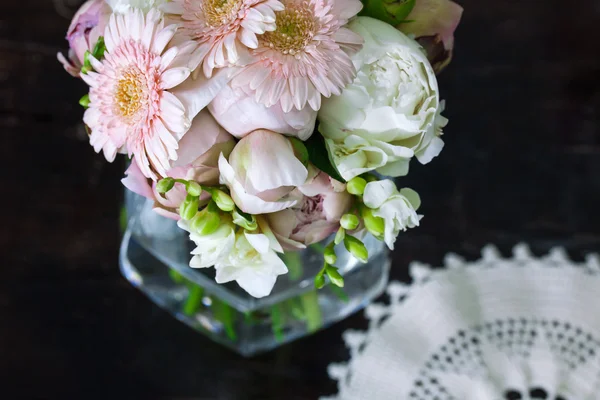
240,114
224,30
316,216
86,27
131,108
197,160
261,172
433,23
305,57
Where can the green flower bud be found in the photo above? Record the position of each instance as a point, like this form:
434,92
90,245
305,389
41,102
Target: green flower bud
85,69
356,186
164,185
205,223
356,248
334,276
300,150
85,101
319,281
99,49
189,207
193,189
349,222
246,221
223,200
339,236
375,225
329,254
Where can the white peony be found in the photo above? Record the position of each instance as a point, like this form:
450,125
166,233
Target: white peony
393,105
396,208
123,6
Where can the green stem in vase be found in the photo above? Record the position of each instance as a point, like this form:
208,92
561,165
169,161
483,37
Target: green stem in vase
293,261
339,293
225,314
176,276
277,322
312,311
194,300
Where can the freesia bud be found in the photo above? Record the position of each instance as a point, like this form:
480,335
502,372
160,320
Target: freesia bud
349,221
205,223
334,276
319,281
189,207
356,248
164,185
193,189
356,186
85,101
375,225
223,200
340,235
330,256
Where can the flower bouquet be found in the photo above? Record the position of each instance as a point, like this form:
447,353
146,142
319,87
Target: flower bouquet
267,131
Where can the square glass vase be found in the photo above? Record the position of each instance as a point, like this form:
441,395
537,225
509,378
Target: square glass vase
155,255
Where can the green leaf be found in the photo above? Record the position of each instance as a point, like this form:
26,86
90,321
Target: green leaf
99,49
299,149
393,12
194,300
320,157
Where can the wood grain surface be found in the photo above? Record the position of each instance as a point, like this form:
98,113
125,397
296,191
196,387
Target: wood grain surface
521,164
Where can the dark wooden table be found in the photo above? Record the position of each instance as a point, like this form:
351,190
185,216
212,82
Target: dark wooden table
522,163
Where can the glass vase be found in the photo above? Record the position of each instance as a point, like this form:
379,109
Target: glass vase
155,255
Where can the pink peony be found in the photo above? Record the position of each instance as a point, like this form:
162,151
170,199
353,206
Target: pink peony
305,57
224,30
197,160
433,23
240,114
131,108
86,27
261,172
316,216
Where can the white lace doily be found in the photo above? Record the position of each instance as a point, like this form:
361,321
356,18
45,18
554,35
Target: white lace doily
496,329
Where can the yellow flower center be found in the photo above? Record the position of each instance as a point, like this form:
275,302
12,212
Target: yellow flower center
295,29
220,12
130,94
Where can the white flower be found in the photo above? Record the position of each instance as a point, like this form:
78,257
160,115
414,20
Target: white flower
252,263
394,100
123,6
210,249
397,209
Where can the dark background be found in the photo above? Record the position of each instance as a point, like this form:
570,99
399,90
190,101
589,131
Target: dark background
521,163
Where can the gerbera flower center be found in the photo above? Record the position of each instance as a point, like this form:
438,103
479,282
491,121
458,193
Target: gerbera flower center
220,12
131,94
295,29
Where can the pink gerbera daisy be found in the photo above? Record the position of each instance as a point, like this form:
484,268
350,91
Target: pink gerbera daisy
224,30
131,108
306,57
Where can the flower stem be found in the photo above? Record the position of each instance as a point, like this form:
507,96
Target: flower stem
193,301
312,311
293,261
277,322
225,314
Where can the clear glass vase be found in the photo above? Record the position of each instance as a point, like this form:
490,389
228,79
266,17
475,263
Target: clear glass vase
154,257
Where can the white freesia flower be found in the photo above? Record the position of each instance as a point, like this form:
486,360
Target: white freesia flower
123,6
210,249
393,104
252,263
396,208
